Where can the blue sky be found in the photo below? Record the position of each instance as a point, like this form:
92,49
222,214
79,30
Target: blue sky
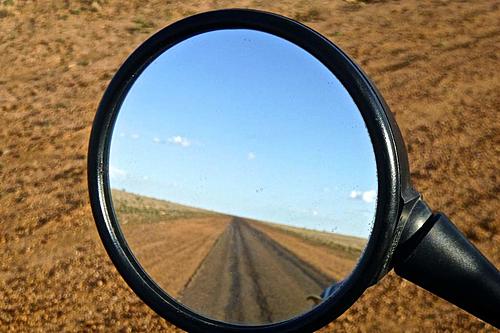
246,123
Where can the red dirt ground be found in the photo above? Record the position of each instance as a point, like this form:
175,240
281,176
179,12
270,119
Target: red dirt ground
435,61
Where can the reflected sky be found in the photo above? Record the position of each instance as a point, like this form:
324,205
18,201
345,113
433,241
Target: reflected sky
246,123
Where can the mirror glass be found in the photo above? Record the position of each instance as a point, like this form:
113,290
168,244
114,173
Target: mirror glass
243,176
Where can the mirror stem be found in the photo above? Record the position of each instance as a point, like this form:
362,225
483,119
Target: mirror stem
436,256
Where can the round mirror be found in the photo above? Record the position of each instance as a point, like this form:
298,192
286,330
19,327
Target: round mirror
242,176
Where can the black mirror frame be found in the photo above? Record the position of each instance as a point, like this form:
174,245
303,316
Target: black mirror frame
394,188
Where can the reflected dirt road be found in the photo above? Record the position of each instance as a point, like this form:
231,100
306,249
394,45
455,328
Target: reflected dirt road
249,278
231,268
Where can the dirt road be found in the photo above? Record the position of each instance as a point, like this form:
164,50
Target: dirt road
249,278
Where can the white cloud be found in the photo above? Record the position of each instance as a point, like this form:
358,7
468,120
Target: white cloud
115,172
180,140
145,178
355,194
315,213
251,156
369,196
366,196
157,140
135,136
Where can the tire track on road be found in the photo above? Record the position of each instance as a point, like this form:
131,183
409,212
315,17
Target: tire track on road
261,300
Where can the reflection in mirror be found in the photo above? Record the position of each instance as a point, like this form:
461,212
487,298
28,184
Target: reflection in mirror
243,176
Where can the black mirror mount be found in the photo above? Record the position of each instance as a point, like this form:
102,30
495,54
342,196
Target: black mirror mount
415,211
431,252
434,254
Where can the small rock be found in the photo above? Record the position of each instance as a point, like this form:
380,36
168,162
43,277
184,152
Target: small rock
95,6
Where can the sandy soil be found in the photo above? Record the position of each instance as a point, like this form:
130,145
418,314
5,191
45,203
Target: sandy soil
435,62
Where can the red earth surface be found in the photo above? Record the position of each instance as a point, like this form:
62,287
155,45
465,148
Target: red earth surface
435,62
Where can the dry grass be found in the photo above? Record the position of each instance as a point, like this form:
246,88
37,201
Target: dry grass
435,62
137,209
